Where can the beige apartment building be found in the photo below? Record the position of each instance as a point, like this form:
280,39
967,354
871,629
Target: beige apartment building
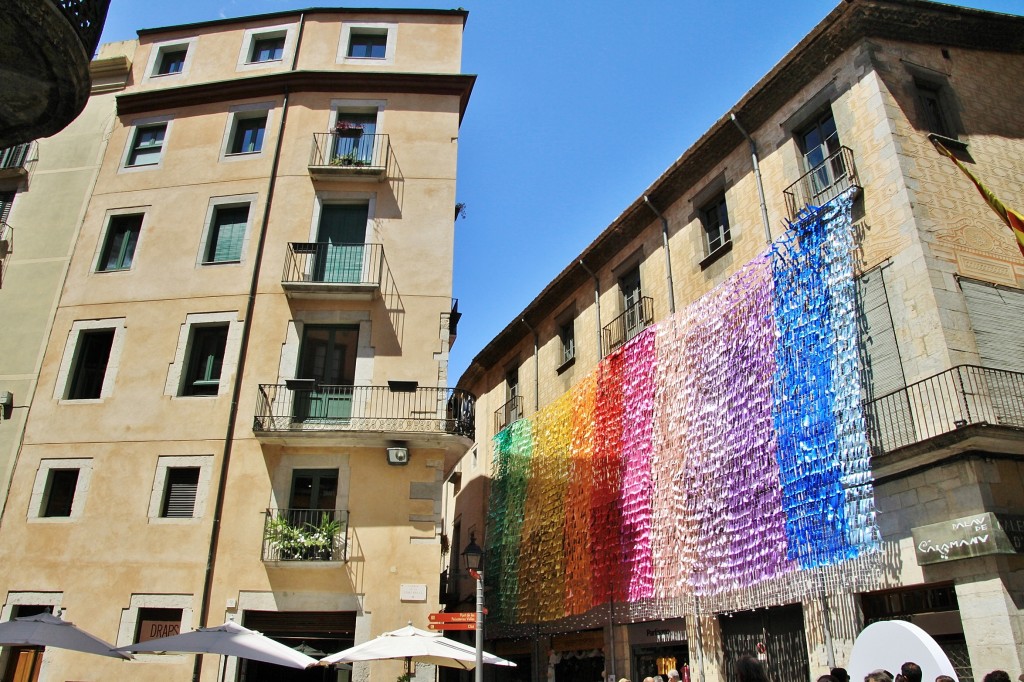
242,409
611,391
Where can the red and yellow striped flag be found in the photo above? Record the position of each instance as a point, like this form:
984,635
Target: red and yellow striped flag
1013,220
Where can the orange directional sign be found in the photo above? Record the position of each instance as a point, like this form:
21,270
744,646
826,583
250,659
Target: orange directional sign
452,626
454,617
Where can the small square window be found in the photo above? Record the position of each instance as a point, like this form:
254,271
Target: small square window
90,364
227,232
119,246
147,146
154,623
59,495
368,45
247,137
715,218
180,493
267,49
171,61
206,358
936,119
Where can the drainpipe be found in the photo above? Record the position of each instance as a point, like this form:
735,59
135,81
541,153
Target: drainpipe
236,390
536,366
668,254
597,304
757,178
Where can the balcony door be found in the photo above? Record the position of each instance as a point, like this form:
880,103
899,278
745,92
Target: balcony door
354,138
629,287
328,355
340,243
818,142
315,490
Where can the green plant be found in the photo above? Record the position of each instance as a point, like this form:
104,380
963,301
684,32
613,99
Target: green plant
404,677
296,539
350,159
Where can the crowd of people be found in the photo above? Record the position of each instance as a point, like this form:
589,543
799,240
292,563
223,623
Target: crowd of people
750,669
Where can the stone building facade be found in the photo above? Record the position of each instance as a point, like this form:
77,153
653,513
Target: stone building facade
850,112
242,409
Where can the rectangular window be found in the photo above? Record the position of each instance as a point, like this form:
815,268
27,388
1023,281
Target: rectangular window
90,365
567,333
119,247
267,49
227,232
180,493
206,358
6,201
365,45
935,117
715,217
147,145
171,61
60,492
248,135
154,623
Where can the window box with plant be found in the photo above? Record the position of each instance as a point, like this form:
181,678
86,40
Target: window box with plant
347,129
291,537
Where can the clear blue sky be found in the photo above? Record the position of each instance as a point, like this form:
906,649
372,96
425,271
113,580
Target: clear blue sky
578,107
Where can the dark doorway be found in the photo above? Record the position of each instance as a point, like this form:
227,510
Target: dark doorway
780,629
579,669
322,631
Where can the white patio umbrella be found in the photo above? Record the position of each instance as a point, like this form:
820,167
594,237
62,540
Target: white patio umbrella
415,644
44,629
229,639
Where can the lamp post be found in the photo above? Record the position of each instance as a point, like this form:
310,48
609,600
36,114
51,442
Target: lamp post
474,557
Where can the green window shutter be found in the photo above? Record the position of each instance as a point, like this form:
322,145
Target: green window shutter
227,234
997,316
180,492
206,359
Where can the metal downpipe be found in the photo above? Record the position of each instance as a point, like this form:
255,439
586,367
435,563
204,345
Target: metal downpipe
597,305
668,255
757,179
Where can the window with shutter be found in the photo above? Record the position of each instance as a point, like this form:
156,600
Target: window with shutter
227,233
206,359
6,199
180,492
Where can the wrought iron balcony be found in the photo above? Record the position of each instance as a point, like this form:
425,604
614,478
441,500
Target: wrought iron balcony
379,409
305,535
352,154
631,322
13,160
823,183
508,413
958,397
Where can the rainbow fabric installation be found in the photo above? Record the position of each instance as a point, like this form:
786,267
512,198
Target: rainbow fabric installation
722,449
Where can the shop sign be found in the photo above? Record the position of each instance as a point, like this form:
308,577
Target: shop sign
969,536
658,632
154,629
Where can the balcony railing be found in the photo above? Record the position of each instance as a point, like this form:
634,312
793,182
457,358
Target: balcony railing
381,409
631,322
305,535
958,397
508,413
342,154
13,159
823,183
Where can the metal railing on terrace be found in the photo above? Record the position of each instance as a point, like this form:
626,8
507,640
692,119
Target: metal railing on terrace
86,18
305,535
958,397
508,413
346,153
380,409
631,322
823,183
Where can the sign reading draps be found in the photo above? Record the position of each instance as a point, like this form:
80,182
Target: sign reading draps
969,536
721,449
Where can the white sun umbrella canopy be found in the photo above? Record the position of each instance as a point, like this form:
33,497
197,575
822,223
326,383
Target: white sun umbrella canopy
229,639
44,629
415,644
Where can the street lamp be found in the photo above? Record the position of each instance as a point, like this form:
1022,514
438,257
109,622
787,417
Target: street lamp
474,558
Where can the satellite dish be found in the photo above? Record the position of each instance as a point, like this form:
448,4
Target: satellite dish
889,644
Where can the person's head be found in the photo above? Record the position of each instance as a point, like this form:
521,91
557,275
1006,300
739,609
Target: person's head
944,678
911,671
997,676
840,675
648,679
878,676
673,675
749,669
659,678
826,678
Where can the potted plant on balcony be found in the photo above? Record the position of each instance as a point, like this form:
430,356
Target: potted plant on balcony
350,159
303,541
348,129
